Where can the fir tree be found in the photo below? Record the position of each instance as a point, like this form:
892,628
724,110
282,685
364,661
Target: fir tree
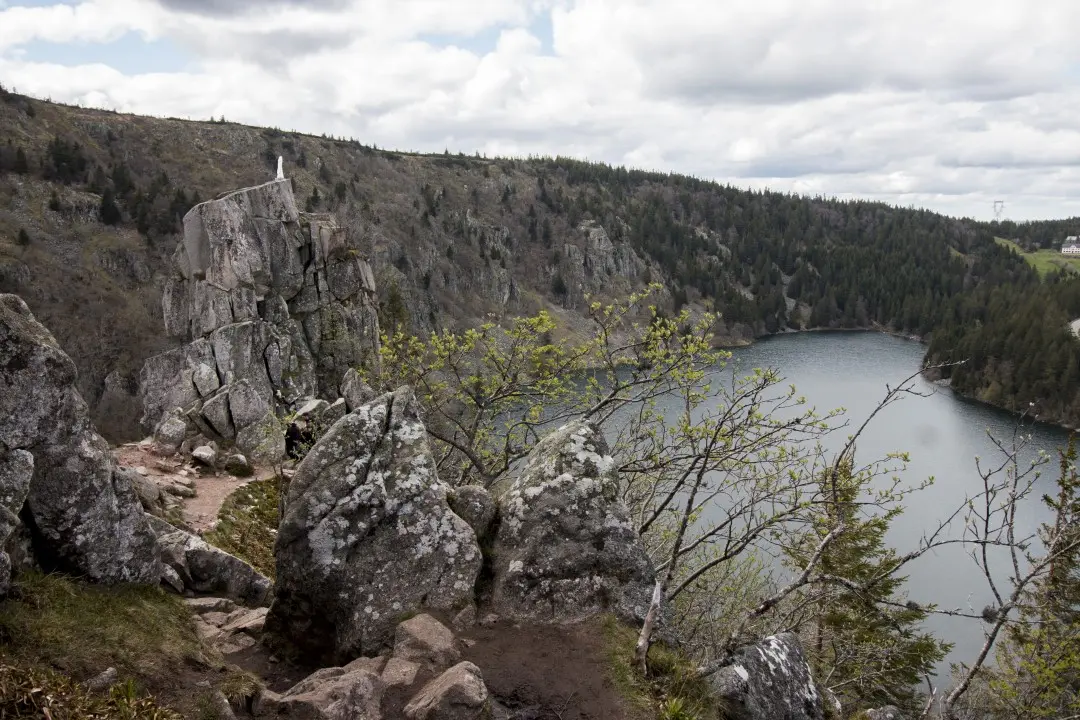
866,646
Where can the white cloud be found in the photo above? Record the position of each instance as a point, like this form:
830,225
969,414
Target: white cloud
950,105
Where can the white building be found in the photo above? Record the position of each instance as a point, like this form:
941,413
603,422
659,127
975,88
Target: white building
1071,246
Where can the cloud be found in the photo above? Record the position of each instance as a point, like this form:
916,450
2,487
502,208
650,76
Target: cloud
913,101
219,8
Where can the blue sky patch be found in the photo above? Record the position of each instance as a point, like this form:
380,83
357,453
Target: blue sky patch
130,54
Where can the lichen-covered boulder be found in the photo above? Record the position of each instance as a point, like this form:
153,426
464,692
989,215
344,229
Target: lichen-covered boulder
85,517
566,549
889,712
769,681
367,536
457,694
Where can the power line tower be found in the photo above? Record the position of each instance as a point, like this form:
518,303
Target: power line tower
999,208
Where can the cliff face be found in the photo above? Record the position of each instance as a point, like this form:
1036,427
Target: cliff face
274,306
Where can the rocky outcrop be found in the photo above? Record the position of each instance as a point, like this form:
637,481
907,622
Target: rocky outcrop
274,306
889,712
84,516
594,265
367,536
566,549
769,681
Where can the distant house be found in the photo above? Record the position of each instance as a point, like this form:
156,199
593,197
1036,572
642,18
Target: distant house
1071,246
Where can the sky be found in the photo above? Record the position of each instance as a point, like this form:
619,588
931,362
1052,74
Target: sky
945,104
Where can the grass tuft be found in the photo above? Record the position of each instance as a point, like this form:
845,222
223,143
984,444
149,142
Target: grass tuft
672,691
247,525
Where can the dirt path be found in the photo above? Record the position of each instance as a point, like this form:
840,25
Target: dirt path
178,478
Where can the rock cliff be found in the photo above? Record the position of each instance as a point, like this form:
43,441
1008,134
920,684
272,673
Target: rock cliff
273,305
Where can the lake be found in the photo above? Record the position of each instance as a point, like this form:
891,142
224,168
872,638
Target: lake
943,433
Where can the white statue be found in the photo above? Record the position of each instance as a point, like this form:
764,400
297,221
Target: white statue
280,169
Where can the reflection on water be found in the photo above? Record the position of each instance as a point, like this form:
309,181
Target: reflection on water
943,433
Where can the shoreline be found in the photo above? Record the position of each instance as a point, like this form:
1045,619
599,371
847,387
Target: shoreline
904,336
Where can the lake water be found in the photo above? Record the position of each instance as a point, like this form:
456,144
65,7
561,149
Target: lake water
943,433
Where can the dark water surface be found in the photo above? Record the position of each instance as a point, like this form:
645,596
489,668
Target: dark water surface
943,433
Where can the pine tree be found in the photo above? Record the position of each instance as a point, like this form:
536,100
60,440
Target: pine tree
862,644
24,237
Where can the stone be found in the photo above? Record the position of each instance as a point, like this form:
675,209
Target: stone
457,694
206,379
171,579
16,472
203,605
250,621
311,409
204,568
354,391
465,619
327,694
204,455
263,442
889,712
770,679
170,434
367,537
333,412
474,505
425,640
238,465
216,412
86,519
103,681
149,492
181,490
566,549
400,672
167,381
246,404
371,664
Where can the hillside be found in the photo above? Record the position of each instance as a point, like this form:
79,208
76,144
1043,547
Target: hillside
91,203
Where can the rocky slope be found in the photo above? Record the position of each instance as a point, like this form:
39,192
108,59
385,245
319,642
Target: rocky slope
91,204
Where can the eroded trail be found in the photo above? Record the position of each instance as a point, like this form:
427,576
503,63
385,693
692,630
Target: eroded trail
198,492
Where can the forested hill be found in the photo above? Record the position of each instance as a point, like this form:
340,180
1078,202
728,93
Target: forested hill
91,203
